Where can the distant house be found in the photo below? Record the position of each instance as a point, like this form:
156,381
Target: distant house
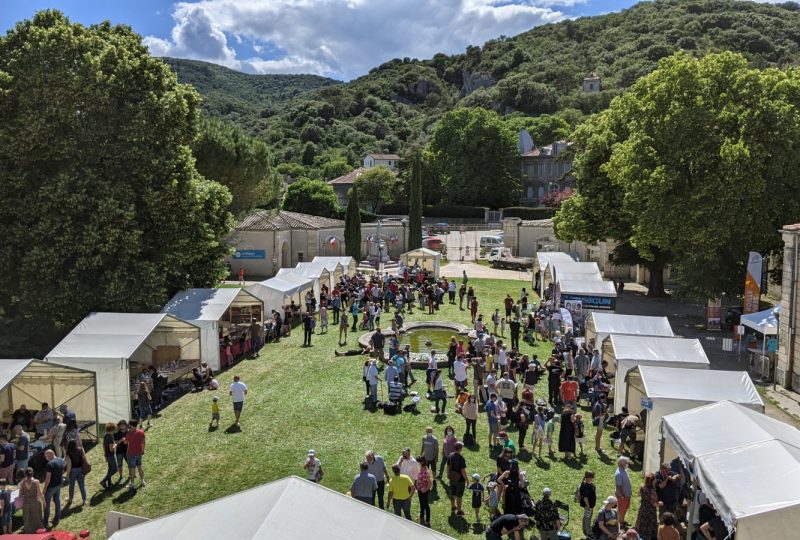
592,82
343,184
545,170
387,160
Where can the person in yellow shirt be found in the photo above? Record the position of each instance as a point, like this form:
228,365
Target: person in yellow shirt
214,412
401,491
489,362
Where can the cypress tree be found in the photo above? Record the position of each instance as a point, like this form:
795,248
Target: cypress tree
352,226
415,204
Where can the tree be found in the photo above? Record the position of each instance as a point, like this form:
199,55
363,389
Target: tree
313,197
335,168
101,205
375,187
696,163
543,129
224,153
352,226
477,158
415,203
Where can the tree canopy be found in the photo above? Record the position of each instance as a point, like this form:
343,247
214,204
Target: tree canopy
698,159
376,187
101,205
476,155
313,197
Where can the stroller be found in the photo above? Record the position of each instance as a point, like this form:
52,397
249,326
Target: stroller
563,517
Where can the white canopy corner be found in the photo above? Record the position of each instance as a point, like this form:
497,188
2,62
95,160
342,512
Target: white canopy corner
349,264
278,291
587,287
765,322
600,325
428,259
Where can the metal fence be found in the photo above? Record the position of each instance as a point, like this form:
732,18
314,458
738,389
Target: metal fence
462,242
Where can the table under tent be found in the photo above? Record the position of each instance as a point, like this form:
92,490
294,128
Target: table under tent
219,313
120,347
427,259
279,510
746,463
349,264
654,392
540,263
278,292
600,325
32,382
624,353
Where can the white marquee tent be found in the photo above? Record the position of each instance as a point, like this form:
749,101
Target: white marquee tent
335,271
287,509
349,264
600,325
32,382
427,259
570,276
623,353
116,345
206,309
279,291
747,464
662,391
544,259
317,274
765,322
552,274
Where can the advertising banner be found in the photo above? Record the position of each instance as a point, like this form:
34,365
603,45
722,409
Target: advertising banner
714,314
752,283
250,254
590,302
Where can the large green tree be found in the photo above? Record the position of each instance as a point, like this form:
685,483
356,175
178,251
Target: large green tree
313,197
477,158
101,205
352,226
224,153
376,187
415,203
697,162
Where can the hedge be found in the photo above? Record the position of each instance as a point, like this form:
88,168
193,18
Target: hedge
526,212
439,210
366,217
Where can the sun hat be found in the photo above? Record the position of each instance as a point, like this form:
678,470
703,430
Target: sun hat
311,452
476,476
610,500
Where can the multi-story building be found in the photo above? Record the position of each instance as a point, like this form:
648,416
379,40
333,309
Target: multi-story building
386,160
545,172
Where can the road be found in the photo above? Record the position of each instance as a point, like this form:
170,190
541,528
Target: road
465,245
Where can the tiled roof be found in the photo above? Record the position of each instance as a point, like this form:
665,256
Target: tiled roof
350,177
791,228
385,156
266,220
592,76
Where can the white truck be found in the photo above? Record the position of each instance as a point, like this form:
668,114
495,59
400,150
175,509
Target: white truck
501,257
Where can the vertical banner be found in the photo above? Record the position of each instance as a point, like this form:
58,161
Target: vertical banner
752,283
714,314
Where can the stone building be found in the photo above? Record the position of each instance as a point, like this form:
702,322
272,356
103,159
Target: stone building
545,171
592,83
787,370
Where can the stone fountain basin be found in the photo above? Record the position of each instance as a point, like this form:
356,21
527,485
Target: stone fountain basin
420,360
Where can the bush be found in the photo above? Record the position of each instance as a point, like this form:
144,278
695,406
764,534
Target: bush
439,210
526,212
366,217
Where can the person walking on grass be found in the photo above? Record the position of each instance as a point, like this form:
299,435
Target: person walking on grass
144,400
109,447
364,485
424,485
135,438
545,513
623,489
457,475
401,490
237,392
52,487
214,412
343,328
588,499
75,464
377,468
308,329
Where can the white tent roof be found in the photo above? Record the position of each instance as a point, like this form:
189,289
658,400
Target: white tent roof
573,267
657,349
206,304
587,287
708,429
765,321
421,253
112,335
613,323
309,269
9,369
348,263
700,385
288,284
545,258
574,276
281,509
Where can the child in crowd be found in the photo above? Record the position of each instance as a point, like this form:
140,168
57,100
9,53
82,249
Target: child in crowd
462,398
492,500
503,327
477,495
579,432
214,412
549,429
323,319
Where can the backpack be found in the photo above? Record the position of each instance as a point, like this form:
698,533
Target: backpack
578,493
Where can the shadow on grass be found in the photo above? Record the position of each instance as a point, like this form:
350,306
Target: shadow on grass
604,458
212,428
524,455
478,528
233,428
459,523
124,497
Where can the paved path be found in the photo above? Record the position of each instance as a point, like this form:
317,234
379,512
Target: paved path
455,269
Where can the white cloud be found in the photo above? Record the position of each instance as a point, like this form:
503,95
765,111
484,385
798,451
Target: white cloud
343,38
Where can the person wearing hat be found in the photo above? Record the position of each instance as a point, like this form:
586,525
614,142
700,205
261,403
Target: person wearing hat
505,525
477,495
545,515
313,467
607,519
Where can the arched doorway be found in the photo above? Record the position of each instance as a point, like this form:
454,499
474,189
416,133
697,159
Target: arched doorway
286,261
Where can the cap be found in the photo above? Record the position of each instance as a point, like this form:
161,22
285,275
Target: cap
215,398
311,452
476,476
546,492
610,500
491,485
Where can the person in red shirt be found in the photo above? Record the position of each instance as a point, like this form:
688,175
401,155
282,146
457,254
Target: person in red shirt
135,438
241,276
569,393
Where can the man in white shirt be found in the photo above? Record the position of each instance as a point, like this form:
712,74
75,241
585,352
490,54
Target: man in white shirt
501,359
460,368
507,390
237,392
408,465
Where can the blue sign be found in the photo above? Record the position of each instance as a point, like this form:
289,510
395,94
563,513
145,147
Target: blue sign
250,254
591,302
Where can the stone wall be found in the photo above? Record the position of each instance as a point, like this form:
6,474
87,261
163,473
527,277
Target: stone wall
787,370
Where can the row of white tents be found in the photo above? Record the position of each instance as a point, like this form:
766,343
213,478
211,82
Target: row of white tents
573,280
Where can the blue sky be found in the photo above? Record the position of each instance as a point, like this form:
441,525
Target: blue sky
336,38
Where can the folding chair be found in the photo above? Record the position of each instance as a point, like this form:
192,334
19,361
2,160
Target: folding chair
563,517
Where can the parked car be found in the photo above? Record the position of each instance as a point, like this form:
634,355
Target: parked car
440,228
501,257
733,316
490,242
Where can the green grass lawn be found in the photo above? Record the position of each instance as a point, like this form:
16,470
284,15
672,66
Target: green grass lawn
301,398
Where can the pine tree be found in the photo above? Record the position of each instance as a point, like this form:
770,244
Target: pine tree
352,226
415,204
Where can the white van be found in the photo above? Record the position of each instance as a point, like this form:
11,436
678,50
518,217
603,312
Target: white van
490,242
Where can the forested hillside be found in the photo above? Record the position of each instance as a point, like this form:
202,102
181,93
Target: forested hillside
534,73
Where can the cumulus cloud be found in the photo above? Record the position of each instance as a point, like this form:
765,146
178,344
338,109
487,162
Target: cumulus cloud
342,38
